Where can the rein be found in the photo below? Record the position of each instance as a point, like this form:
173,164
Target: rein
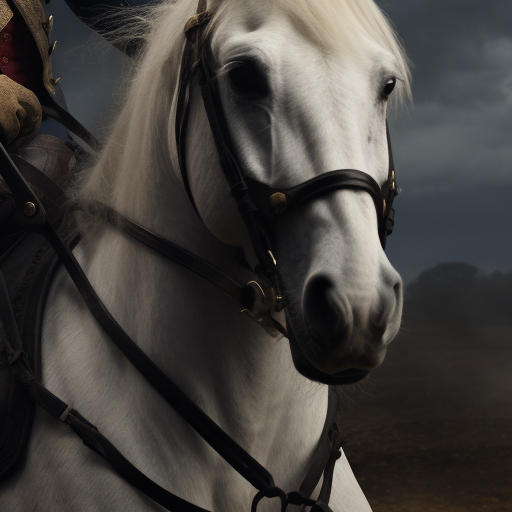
34,218
260,206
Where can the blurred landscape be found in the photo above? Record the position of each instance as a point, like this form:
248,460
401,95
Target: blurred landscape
431,430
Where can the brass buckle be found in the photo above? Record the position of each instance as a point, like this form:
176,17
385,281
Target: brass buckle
259,298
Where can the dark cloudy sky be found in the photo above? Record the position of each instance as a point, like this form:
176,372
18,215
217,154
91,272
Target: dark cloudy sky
453,148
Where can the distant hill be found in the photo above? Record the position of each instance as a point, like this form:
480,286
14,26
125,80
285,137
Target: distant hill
459,294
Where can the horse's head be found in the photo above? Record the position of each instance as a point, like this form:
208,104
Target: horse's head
304,88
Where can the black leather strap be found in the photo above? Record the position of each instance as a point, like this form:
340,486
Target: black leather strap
207,428
247,191
252,197
238,458
317,186
326,182
41,181
52,109
324,449
182,115
329,448
168,249
57,197
93,439
90,435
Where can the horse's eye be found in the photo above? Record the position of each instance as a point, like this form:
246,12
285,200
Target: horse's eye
388,88
245,77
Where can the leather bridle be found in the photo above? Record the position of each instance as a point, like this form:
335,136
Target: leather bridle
261,206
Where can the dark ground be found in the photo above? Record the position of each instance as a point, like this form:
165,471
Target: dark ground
431,430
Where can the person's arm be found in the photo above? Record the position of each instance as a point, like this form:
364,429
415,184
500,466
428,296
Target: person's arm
20,111
21,71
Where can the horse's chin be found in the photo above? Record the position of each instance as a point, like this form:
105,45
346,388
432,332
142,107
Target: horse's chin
327,362
317,372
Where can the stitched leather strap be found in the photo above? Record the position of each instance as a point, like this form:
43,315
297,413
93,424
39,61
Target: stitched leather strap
238,458
93,439
84,429
57,197
168,249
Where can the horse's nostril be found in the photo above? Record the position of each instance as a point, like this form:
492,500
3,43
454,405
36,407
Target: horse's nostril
322,312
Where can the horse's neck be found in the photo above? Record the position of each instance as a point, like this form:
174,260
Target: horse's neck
237,373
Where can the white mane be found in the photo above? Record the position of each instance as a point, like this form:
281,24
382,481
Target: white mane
146,121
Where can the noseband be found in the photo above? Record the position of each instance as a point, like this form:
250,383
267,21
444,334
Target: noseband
260,205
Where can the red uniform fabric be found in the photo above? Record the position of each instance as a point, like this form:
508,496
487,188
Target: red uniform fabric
19,55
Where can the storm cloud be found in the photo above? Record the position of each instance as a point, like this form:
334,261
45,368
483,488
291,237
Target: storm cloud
453,146
461,125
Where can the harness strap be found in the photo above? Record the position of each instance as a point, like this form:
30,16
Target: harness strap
323,450
229,165
41,181
57,197
238,458
261,216
94,440
226,447
182,115
54,196
326,182
89,434
52,109
168,249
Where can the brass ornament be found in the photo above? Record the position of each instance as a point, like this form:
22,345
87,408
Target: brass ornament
277,203
273,259
52,48
29,209
384,207
48,25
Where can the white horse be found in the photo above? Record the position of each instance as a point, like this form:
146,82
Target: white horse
325,63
